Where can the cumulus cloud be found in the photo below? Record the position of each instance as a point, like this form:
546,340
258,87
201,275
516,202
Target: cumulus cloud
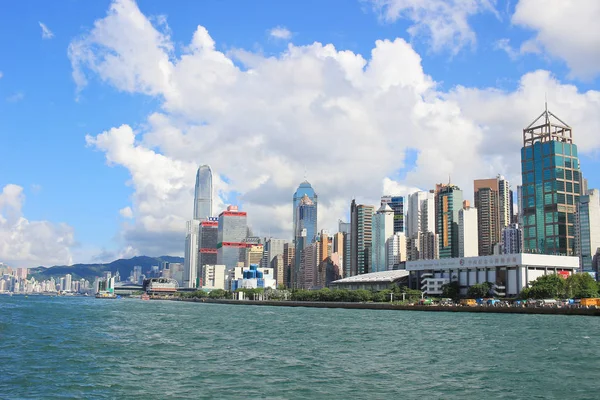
25,243
280,32
126,212
444,22
260,121
566,30
46,33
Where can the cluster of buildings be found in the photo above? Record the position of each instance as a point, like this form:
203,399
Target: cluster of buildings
437,235
15,280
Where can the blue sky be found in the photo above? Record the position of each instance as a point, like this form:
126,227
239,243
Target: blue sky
45,116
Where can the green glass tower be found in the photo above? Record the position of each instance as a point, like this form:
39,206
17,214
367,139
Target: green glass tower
448,201
551,186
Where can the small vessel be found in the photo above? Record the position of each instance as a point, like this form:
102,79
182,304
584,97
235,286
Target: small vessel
145,296
105,295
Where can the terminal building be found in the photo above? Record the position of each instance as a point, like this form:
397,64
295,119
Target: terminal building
373,281
508,273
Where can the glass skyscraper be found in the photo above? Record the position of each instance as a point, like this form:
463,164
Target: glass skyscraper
396,203
203,193
306,218
304,189
551,186
449,199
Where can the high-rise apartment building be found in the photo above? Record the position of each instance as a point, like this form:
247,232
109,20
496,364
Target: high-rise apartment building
308,266
420,215
289,253
587,229
429,246
449,200
395,251
512,239
468,240
213,276
231,237
396,203
382,230
190,264
493,200
324,245
254,253
68,282
361,238
337,247
306,218
551,186
203,193
305,189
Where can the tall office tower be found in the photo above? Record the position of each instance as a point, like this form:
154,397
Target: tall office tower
467,231
324,245
449,200
551,186
231,237
493,200
396,203
338,248
274,247
208,233
420,215
383,226
203,193
300,242
288,263
512,239
344,227
278,269
305,189
309,263
306,218
254,253
587,228
68,282
361,238
347,270
190,264
395,251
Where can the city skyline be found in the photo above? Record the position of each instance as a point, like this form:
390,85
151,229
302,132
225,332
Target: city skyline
292,99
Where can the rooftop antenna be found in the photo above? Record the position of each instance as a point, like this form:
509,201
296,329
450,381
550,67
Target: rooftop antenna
304,171
546,107
449,180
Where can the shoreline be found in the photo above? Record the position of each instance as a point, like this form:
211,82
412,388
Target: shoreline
387,306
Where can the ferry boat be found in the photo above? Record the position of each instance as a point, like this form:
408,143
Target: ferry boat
161,285
105,295
145,296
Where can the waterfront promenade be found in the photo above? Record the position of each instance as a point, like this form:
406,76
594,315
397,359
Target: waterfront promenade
391,306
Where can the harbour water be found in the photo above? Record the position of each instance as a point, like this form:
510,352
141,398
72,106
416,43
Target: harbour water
91,348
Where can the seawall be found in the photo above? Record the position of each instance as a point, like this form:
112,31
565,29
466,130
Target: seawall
388,306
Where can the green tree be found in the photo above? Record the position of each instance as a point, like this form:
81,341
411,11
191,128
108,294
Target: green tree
218,294
479,290
581,286
451,290
550,286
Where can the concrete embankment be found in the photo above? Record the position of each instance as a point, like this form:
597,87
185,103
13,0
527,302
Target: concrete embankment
388,306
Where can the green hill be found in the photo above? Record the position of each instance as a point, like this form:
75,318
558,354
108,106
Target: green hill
90,271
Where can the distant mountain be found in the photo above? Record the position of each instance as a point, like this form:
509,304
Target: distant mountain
90,271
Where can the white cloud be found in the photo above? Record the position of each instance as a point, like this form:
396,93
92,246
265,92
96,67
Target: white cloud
25,243
46,33
126,212
280,32
504,45
15,97
566,30
444,22
348,120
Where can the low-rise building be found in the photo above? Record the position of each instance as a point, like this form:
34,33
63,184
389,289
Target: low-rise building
508,273
373,281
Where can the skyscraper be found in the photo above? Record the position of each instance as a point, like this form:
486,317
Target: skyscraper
305,189
203,193
207,245
306,218
396,203
361,238
382,230
551,186
467,231
395,251
449,200
420,214
190,264
587,228
493,201
231,237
